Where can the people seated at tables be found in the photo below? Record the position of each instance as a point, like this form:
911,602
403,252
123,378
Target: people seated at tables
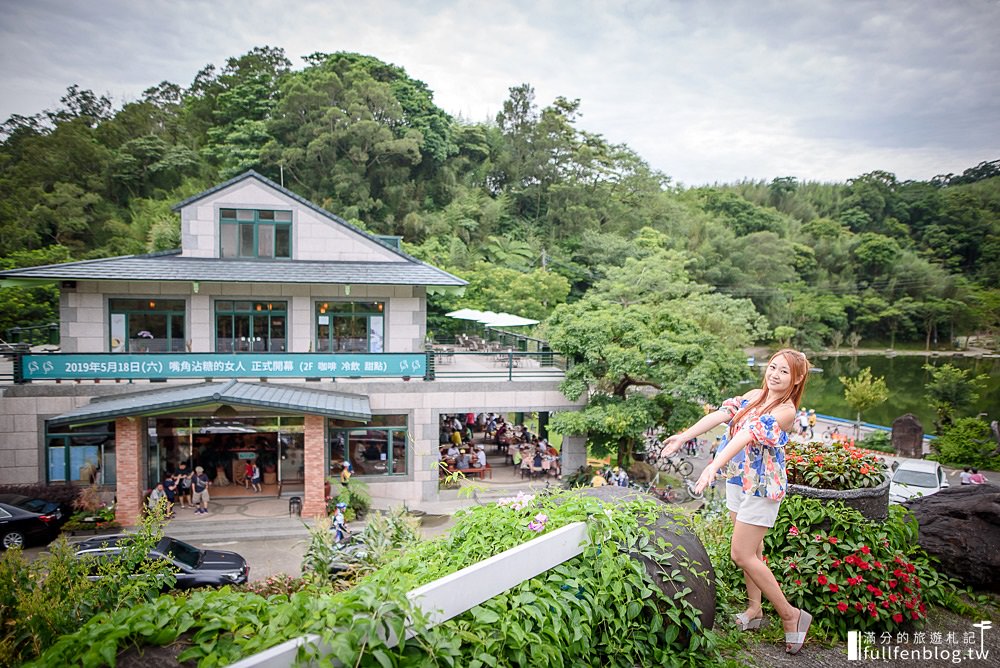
456,437
463,462
481,456
452,450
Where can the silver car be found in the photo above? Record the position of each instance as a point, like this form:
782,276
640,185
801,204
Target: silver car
914,478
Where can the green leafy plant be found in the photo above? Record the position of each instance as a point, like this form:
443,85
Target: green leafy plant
598,606
832,466
849,572
355,494
279,583
877,440
967,442
42,599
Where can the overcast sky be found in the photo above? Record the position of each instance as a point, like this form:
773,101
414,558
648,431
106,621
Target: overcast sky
704,91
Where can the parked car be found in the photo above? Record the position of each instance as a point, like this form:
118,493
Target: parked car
193,566
914,478
24,520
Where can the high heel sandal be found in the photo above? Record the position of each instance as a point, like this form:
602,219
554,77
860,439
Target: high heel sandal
795,639
744,623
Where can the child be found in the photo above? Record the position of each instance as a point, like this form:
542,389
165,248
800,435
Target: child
340,523
255,478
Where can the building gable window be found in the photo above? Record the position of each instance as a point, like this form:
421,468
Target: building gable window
255,233
147,325
250,327
350,327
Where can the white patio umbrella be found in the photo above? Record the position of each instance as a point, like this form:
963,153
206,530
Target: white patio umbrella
465,314
487,316
510,320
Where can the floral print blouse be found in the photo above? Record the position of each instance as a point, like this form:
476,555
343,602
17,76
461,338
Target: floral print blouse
760,467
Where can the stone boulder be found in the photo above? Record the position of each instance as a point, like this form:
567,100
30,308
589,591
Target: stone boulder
690,555
960,526
908,436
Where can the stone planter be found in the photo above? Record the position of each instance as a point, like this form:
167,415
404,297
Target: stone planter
872,502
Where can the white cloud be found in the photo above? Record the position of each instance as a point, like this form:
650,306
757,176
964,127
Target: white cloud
707,91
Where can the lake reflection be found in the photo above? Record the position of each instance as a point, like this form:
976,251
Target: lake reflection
905,376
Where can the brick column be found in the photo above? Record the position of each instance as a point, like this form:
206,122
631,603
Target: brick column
314,503
128,439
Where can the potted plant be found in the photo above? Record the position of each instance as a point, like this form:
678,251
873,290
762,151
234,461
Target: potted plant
839,472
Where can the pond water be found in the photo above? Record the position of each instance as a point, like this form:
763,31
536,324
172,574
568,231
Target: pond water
905,376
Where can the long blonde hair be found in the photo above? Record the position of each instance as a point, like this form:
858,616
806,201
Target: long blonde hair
799,367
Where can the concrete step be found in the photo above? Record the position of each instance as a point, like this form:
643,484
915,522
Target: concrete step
204,529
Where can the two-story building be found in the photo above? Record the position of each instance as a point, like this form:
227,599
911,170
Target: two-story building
279,334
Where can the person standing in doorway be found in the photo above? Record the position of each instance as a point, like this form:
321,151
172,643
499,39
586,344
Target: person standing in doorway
754,448
199,484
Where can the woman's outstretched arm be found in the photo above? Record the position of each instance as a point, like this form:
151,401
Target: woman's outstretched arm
710,421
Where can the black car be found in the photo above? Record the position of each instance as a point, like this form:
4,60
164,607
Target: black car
193,566
24,520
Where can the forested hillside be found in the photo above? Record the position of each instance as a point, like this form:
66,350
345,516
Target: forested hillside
532,209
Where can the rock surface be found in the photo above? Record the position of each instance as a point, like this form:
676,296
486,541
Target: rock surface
961,527
690,554
908,436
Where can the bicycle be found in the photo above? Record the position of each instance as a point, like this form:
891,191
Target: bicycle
680,466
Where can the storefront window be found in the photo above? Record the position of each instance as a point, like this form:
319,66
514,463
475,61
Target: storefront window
377,448
147,325
250,326
81,454
350,327
223,446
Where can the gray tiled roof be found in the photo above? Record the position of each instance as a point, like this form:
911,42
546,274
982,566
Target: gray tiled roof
234,393
170,266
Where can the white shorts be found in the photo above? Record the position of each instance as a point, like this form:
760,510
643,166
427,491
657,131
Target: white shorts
756,510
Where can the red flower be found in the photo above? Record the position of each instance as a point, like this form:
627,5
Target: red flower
865,549
893,598
871,606
898,618
836,563
851,560
794,531
798,582
898,573
892,584
878,564
914,614
923,608
907,590
834,588
909,604
833,540
817,538
874,614
910,568
821,579
858,606
791,565
864,565
842,606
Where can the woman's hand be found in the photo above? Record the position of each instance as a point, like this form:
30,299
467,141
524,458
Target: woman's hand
706,478
671,445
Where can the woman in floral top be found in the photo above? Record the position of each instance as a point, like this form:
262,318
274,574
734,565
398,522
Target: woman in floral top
752,455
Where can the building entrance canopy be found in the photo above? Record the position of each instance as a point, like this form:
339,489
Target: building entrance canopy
232,393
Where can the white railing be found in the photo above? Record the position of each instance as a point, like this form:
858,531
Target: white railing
454,594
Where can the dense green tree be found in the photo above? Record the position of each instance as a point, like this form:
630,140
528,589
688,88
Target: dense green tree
950,390
640,366
862,392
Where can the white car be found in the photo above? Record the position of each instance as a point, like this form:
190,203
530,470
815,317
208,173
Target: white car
916,477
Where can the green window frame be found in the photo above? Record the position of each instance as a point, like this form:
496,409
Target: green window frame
83,455
349,327
244,326
255,233
379,448
147,325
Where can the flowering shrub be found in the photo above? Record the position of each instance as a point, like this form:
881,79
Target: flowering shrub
832,466
279,583
851,573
